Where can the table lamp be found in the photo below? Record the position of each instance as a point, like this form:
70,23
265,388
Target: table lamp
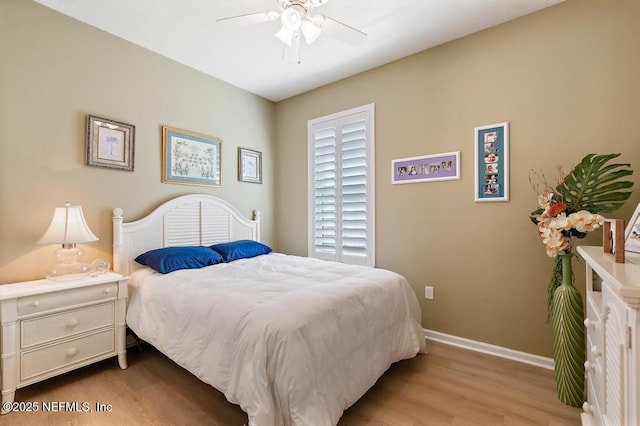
68,227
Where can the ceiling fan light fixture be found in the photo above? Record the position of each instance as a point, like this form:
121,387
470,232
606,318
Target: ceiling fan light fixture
310,30
285,35
293,16
297,21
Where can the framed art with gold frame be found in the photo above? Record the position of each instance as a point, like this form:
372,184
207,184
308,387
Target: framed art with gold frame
191,158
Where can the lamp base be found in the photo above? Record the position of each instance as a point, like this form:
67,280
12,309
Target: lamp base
69,265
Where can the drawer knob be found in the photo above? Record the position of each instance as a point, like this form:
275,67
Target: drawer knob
35,303
106,291
72,322
72,352
588,366
595,351
586,407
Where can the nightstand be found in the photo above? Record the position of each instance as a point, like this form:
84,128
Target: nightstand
49,328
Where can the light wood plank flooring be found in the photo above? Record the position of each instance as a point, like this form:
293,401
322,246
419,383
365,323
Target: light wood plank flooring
447,386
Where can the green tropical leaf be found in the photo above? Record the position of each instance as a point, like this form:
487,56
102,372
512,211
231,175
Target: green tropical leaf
596,186
534,214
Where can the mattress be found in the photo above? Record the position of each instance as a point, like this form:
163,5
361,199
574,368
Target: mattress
291,340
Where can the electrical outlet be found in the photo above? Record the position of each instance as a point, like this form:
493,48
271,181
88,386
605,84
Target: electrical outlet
428,292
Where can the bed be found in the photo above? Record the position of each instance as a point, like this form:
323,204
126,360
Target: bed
291,340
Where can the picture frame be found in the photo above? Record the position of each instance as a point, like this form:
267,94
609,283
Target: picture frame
632,232
491,162
613,234
249,165
110,143
191,158
426,168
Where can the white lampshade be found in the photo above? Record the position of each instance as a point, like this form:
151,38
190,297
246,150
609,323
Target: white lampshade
68,226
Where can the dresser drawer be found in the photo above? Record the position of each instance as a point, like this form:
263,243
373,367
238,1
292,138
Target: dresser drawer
595,324
595,373
47,359
61,299
595,415
52,327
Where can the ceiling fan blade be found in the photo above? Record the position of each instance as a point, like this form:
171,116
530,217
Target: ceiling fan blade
292,53
251,18
339,30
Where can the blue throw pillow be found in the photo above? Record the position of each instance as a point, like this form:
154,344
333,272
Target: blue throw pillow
241,249
168,259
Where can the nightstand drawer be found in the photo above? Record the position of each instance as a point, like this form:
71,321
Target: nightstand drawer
47,359
51,327
61,299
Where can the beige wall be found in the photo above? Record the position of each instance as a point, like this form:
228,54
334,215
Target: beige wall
566,78
53,72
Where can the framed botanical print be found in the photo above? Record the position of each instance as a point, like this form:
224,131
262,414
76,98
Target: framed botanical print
110,143
249,165
191,158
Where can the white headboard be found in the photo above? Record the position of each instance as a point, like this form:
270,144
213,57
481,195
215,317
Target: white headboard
183,221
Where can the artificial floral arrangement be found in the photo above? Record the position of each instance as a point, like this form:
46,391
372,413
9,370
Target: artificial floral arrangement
558,226
565,212
573,207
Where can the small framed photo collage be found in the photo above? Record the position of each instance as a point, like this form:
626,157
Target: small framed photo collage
492,163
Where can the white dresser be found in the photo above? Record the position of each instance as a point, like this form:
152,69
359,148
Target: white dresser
613,335
49,328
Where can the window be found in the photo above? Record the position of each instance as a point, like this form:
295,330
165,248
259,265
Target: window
341,186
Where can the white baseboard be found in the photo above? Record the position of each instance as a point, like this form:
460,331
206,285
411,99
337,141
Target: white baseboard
538,361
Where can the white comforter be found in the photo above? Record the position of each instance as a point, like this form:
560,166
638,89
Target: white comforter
292,340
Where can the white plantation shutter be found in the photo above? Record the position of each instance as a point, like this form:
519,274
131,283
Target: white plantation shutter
341,193
354,188
324,190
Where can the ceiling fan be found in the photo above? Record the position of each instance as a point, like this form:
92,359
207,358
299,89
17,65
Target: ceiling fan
296,18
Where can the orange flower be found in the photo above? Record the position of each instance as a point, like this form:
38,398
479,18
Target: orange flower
555,209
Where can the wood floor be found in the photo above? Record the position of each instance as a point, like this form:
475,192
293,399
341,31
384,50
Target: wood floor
447,386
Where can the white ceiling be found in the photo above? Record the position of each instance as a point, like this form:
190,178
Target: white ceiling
250,57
